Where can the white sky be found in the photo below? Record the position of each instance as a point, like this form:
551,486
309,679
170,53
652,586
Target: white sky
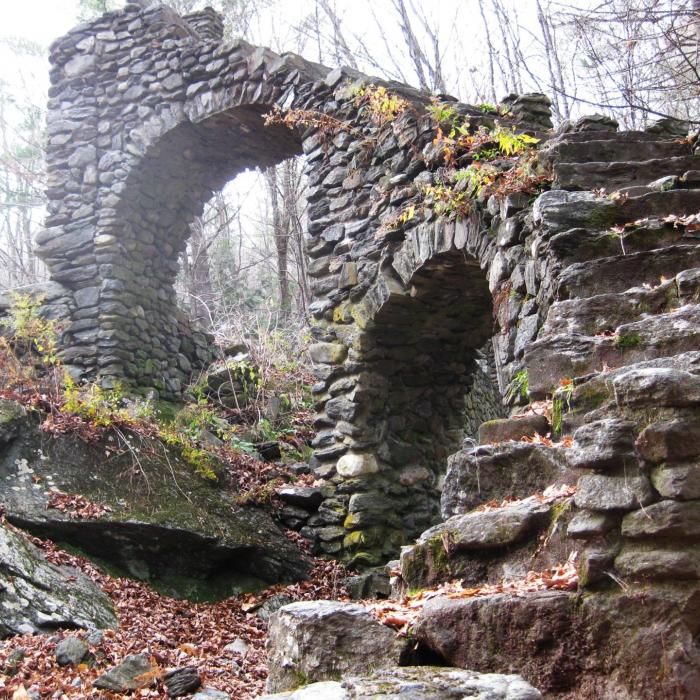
39,20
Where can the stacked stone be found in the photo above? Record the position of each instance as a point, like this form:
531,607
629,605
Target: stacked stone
618,353
150,114
119,204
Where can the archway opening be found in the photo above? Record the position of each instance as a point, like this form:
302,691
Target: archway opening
144,336
422,384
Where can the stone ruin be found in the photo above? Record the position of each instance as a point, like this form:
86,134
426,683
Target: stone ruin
150,113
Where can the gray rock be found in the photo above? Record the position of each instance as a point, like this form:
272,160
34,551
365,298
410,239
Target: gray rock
306,497
679,481
168,525
319,640
673,440
36,596
603,444
465,546
664,519
591,524
602,492
125,676
272,605
12,416
181,681
657,561
478,475
657,386
504,429
71,651
237,646
493,528
211,694
418,683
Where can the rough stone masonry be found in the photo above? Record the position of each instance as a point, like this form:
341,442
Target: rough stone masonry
150,114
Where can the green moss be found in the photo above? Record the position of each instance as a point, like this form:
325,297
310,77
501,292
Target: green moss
601,218
629,340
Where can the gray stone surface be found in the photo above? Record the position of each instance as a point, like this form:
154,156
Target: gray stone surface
126,675
603,445
478,475
403,308
162,523
326,640
667,519
418,683
679,481
673,440
71,650
602,492
36,596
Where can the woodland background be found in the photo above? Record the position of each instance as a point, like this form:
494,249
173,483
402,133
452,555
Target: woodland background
243,272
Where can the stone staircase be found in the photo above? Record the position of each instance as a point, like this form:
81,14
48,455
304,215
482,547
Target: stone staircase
619,352
615,274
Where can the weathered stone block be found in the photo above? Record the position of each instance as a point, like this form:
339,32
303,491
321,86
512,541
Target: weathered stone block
319,640
603,444
600,492
351,465
670,440
679,481
664,519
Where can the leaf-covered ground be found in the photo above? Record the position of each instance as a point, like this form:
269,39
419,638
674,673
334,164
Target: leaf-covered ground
172,632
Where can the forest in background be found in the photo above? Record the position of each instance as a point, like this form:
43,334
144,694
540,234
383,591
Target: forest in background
243,272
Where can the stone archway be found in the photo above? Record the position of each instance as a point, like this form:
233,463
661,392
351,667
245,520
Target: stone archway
149,114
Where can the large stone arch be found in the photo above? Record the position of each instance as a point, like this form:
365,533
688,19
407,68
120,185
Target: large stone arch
148,115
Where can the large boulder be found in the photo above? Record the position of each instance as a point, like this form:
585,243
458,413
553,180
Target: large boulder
139,506
36,596
418,683
326,640
633,644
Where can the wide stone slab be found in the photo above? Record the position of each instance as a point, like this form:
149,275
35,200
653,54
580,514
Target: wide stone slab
36,596
602,492
664,519
622,272
474,546
325,640
418,683
155,518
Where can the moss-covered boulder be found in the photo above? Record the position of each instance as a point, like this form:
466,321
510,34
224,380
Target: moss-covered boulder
137,505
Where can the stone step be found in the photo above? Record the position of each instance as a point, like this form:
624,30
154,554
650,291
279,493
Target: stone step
488,545
617,174
614,150
580,244
605,312
664,382
622,272
559,210
552,359
494,472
